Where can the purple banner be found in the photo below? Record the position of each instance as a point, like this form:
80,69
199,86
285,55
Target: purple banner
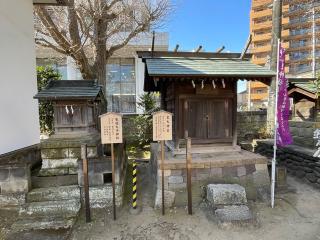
283,131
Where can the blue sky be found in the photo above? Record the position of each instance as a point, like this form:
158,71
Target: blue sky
210,23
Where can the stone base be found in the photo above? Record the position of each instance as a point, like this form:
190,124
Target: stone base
60,156
236,167
101,196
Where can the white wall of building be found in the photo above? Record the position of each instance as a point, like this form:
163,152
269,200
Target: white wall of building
140,69
19,121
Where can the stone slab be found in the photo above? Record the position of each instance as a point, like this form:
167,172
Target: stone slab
12,199
68,208
60,163
28,224
54,194
169,197
234,213
226,194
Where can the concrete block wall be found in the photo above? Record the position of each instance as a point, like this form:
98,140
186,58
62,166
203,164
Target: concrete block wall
302,133
298,161
15,169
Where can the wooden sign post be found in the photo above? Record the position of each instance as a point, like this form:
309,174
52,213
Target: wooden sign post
189,166
162,131
111,132
84,156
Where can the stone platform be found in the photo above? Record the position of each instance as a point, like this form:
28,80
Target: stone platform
217,165
60,154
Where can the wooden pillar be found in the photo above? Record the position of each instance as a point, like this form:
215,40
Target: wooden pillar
234,115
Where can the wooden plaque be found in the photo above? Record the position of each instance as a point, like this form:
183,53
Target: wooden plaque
162,126
111,128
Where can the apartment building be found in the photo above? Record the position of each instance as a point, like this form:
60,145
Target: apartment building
300,25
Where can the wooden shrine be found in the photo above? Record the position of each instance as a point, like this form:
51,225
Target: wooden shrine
200,90
77,105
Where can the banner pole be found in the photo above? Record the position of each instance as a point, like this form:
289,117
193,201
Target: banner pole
273,165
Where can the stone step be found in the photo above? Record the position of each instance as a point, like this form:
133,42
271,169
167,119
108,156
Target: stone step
234,214
198,149
67,208
43,223
54,181
226,194
54,194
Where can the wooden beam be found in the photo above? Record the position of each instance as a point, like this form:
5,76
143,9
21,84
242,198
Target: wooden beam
246,47
234,117
219,50
198,49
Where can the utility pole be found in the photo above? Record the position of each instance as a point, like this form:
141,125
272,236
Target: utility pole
275,35
313,42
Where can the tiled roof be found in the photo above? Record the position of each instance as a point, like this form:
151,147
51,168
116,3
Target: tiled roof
70,89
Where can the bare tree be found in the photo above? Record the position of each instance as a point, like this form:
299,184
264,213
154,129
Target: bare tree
90,31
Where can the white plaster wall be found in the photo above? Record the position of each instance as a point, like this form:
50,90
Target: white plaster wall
19,121
140,69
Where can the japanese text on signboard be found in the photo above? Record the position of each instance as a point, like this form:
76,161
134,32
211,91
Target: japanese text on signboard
162,126
111,128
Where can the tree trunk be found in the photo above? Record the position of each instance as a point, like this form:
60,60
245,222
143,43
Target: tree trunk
101,53
276,34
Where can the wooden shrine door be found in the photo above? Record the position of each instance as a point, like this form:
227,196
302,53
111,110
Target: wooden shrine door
208,120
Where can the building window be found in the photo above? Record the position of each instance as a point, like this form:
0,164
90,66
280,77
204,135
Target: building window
121,85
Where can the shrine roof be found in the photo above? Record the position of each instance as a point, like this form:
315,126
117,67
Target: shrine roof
69,90
215,67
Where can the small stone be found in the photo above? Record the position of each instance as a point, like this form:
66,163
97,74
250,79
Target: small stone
169,198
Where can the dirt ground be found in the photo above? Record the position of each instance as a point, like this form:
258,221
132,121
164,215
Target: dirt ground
295,216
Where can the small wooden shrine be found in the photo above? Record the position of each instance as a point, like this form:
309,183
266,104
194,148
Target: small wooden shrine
200,89
305,100
77,105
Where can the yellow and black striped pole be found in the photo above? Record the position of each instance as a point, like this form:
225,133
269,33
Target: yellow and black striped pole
134,184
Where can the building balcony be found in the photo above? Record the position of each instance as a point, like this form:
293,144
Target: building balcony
50,2
299,61
257,85
262,49
297,36
299,48
297,25
259,61
262,26
259,96
258,4
261,37
260,14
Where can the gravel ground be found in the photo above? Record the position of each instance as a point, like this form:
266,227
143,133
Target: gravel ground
296,216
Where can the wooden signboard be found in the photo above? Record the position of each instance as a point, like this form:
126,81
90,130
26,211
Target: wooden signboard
111,128
162,126
111,132
162,131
